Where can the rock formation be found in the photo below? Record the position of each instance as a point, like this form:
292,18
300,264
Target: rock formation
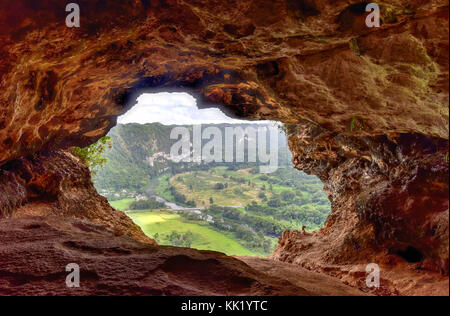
389,206
366,110
35,251
57,183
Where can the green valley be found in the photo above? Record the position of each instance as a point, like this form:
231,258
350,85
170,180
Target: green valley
231,208
162,226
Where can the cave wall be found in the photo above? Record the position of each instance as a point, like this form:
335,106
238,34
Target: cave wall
59,184
281,60
389,200
367,108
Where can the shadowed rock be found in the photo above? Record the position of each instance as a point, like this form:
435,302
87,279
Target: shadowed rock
368,111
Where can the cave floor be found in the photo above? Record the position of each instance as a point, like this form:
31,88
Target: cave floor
34,253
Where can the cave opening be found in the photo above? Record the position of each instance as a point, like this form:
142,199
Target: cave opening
350,15
410,254
358,8
237,196
369,109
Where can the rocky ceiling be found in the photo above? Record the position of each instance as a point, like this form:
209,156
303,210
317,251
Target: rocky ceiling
285,60
366,108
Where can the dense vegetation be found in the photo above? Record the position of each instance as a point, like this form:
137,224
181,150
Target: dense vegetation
141,153
150,204
93,155
254,208
237,209
161,225
176,239
128,166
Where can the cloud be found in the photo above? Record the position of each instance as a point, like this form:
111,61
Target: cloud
173,109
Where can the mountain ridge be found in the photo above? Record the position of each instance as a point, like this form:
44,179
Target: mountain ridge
141,151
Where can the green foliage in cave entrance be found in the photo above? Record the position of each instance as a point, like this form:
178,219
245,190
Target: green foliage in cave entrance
92,155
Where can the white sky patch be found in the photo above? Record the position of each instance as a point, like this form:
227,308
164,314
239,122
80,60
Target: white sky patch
173,109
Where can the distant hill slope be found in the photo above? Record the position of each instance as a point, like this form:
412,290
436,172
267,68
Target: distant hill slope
141,152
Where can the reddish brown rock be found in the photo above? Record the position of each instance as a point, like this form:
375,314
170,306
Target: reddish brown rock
281,60
51,216
369,109
34,253
59,184
389,206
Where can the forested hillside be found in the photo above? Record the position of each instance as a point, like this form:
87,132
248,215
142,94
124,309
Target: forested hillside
230,207
128,164
142,152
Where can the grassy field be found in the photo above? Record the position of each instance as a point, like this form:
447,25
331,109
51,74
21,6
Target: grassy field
282,202
122,205
199,186
205,238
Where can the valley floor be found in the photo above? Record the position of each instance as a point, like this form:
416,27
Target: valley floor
203,237
237,212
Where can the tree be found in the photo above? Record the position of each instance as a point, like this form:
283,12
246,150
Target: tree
191,203
219,186
287,195
149,204
91,156
274,202
178,197
267,245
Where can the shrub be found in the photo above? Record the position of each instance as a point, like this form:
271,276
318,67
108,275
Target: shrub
146,205
287,195
274,202
219,186
91,156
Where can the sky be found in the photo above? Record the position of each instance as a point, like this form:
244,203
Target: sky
173,109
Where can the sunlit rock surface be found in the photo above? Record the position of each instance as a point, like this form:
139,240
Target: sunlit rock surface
367,109
59,184
389,201
35,251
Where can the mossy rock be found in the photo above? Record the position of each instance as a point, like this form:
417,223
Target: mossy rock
354,46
